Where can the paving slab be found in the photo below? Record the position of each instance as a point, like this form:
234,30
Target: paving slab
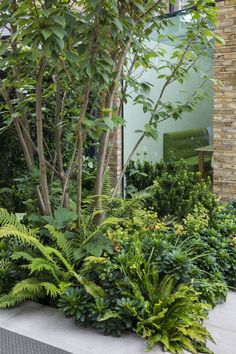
49,325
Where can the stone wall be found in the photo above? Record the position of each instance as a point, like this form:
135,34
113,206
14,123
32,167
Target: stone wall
224,125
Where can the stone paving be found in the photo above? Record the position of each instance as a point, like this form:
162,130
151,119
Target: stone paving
48,325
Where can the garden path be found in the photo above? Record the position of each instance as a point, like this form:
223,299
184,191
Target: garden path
48,325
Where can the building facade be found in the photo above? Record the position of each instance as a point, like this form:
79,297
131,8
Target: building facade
224,119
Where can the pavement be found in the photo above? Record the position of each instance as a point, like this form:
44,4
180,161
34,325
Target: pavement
49,326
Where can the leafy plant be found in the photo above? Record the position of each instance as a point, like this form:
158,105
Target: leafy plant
170,314
173,189
51,86
195,249
49,272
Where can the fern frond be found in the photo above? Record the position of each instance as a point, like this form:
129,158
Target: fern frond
50,250
27,289
6,264
30,285
61,242
7,218
24,237
51,289
42,264
8,300
90,262
64,284
20,254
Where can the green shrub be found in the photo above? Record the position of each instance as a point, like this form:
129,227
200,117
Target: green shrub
173,189
140,174
190,250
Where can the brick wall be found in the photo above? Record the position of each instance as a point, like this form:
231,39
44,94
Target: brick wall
224,126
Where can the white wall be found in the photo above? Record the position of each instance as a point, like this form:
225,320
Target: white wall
201,117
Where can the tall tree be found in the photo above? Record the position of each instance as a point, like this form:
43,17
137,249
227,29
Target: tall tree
63,60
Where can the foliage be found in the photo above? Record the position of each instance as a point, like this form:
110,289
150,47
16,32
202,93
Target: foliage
135,272
140,174
137,298
61,77
194,249
49,269
173,190
169,315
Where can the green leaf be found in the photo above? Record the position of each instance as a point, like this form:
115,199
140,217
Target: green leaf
3,48
108,315
79,254
59,32
62,217
150,131
93,289
118,24
60,20
72,57
108,121
98,244
46,33
60,43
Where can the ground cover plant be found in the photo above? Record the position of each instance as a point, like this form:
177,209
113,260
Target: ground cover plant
156,277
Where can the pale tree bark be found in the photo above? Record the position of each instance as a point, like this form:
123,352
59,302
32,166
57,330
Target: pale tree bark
40,145
58,136
80,152
103,143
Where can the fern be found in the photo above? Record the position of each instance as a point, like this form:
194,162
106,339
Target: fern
7,218
51,289
62,242
41,265
21,255
24,236
54,265
29,289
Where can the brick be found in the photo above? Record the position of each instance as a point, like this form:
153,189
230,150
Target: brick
224,123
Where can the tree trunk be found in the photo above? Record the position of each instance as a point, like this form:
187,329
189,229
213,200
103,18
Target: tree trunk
40,146
80,151
103,143
58,133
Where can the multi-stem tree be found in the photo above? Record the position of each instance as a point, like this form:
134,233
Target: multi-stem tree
63,60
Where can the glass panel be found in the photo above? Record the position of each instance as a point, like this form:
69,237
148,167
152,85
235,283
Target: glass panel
202,115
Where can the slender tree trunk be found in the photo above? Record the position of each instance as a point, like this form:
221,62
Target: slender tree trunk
80,151
39,129
24,146
103,143
102,152
24,135
58,134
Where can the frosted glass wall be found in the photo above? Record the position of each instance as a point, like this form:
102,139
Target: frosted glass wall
200,118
